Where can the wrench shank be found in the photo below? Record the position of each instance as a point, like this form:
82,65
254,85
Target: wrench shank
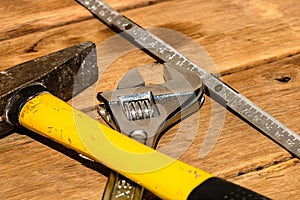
144,113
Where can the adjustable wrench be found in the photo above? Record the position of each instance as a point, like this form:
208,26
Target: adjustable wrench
145,113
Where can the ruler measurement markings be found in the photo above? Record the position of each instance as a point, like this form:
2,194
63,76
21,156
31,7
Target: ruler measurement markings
267,124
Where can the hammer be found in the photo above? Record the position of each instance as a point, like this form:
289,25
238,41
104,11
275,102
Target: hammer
34,100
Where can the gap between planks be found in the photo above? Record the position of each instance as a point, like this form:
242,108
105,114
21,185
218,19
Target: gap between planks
260,62
141,4
120,7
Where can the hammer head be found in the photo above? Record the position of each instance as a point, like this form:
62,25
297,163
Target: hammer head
64,73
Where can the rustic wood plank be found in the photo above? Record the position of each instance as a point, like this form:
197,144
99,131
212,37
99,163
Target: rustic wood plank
282,175
234,33
31,170
128,4
239,35
33,16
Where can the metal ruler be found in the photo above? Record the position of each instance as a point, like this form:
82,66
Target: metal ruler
215,88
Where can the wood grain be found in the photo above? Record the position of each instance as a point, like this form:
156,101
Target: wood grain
282,175
24,17
235,41
254,44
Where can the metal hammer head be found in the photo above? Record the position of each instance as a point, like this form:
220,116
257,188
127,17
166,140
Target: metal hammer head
64,73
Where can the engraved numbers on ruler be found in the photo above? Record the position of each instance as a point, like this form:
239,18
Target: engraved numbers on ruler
266,123
124,189
100,9
162,50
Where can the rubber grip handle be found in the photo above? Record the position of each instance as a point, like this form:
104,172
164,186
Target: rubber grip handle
217,189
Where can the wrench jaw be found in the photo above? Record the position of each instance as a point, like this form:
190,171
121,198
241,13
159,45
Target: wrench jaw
105,111
146,112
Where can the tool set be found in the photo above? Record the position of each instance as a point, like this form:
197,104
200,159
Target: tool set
141,113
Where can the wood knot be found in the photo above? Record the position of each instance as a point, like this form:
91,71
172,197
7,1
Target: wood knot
283,78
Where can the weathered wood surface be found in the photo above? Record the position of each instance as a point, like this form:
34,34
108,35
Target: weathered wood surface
255,45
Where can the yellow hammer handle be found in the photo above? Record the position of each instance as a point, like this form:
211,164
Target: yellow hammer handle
37,110
164,176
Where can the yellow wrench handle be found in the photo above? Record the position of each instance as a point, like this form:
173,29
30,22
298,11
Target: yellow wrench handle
166,177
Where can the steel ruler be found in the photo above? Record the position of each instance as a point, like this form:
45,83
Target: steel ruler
215,88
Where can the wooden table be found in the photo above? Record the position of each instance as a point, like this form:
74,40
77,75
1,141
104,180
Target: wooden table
254,44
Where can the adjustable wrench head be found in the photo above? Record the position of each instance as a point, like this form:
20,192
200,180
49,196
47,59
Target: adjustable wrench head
145,112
